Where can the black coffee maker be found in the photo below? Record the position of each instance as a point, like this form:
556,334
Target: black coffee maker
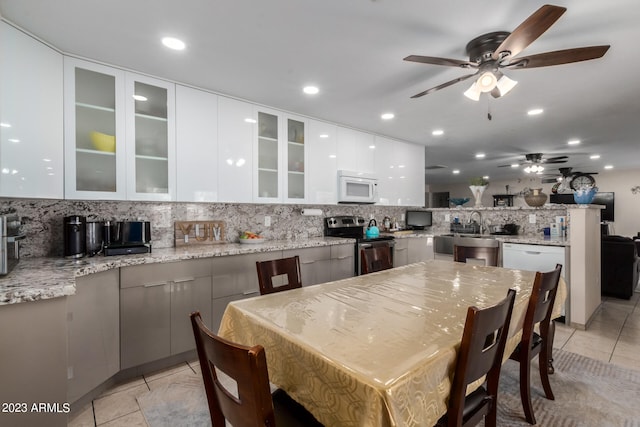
75,229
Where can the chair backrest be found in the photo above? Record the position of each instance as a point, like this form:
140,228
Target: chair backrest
251,404
481,352
489,255
543,296
267,270
375,258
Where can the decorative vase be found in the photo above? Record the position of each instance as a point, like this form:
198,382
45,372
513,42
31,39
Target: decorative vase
584,196
535,198
477,191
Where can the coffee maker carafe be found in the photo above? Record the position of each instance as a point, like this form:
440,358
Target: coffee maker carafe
75,229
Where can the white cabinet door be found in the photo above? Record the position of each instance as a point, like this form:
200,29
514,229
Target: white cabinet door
151,160
533,257
355,150
322,170
196,145
235,150
31,117
94,131
295,159
399,167
267,156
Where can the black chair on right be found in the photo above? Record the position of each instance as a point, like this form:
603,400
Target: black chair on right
481,352
488,254
539,310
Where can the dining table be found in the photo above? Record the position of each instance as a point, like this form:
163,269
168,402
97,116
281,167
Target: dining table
379,349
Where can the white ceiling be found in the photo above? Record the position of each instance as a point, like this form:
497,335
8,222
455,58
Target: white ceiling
266,51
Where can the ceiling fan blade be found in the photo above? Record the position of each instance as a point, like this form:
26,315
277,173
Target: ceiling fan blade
555,161
529,30
551,159
549,180
443,85
559,57
441,61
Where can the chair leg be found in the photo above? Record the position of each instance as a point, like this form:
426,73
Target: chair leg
543,359
551,335
525,387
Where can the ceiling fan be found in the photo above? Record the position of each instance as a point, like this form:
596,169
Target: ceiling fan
534,162
489,53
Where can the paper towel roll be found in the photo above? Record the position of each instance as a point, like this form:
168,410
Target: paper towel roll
312,212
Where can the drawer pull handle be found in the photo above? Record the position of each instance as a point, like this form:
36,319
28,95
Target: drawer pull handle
153,285
249,292
186,279
344,257
532,253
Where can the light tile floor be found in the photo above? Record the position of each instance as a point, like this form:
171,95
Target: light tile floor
613,336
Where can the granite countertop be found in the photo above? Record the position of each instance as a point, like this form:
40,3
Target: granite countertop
36,279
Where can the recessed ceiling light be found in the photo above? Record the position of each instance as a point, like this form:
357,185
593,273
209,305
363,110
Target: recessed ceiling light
608,167
455,171
485,177
573,142
372,147
324,135
5,125
173,43
437,132
310,90
332,156
515,165
250,120
535,111
594,156
480,156
13,140
139,98
387,116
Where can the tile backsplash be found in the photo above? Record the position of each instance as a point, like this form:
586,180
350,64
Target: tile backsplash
43,219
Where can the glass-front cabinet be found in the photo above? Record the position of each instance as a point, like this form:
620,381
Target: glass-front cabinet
280,158
150,105
94,131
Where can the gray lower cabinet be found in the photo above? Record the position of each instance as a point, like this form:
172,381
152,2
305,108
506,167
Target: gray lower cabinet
155,302
401,252
234,278
342,261
420,249
93,320
315,264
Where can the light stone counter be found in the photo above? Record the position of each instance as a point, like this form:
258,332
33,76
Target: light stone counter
524,239
36,279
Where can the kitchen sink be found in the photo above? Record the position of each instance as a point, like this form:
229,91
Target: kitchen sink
444,243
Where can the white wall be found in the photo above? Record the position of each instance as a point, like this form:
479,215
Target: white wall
627,204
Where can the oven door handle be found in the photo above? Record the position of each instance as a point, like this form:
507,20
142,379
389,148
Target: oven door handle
365,245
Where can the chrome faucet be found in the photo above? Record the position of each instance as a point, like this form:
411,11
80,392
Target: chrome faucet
479,218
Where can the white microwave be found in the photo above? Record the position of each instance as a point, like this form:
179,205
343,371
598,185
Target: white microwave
356,187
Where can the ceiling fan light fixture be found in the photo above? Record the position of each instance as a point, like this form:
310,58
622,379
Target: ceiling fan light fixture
534,169
486,82
473,92
505,84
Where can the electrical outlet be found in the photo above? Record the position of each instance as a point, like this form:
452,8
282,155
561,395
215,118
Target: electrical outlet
267,221
447,217
532,218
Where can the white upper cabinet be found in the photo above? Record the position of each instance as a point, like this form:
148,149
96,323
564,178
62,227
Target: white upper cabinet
355,150
197,145
94,131
399,167
150,128
236,126
31,117
322,167
280,157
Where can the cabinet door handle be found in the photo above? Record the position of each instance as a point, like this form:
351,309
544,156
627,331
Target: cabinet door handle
532,252
186,279
344,257
153,285
400,249
307,262
249,292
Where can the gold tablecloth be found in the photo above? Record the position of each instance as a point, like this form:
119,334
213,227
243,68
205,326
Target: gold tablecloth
379,349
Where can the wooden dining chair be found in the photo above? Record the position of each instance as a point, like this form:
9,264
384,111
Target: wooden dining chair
375,258
489,255
543,295
250,402
481,351
267,270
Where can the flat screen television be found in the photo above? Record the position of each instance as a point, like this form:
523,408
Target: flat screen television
418,220
606,199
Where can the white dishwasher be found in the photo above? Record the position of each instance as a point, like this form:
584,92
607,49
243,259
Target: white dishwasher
535,258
